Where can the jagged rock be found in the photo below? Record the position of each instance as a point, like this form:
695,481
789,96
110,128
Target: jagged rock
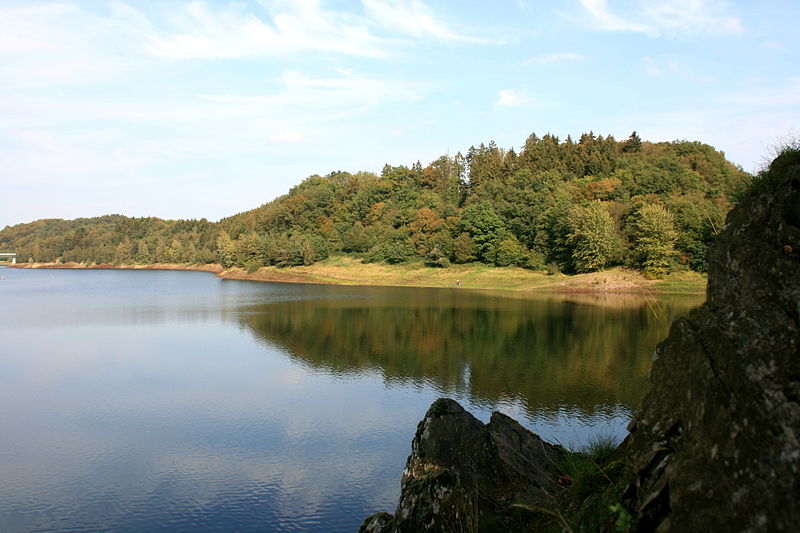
714,446
461,471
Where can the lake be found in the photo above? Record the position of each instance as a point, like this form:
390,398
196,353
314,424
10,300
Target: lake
177,401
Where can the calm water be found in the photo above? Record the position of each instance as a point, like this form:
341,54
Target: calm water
176,401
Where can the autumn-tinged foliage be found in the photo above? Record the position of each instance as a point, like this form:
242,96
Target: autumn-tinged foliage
574,205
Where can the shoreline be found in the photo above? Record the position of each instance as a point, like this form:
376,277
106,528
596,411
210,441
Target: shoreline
349,271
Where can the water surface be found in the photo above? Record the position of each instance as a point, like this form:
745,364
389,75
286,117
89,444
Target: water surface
176,401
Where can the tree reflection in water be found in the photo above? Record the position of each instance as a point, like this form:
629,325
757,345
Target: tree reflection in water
549,352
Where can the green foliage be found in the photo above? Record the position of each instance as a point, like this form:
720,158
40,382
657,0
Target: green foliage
394,251
697,222
633,144
484,226
552,269
464,249
434,258
508,251
592,236
623,521
654,239
533,208
534,260
355,239
601,447
786,155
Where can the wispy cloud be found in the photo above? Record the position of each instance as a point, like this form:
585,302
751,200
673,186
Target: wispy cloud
316,99
511,98
414,18
662,17
206,30
61,43
557,57
76,133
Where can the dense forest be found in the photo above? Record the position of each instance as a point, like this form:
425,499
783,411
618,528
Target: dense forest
572,206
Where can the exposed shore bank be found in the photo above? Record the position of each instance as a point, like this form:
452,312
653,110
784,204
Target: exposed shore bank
343,270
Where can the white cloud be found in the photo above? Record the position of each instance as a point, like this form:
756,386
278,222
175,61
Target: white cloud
608,21
511,98
414,18
665,17
59,43
47,137
557,57
314,99
72,43
203,30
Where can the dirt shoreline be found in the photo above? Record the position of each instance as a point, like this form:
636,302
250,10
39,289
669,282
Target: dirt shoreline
348,271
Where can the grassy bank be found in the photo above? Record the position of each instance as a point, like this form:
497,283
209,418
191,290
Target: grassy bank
343,270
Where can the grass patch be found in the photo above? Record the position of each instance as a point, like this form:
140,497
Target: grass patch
588,470
683,283
342,269
587,474
787,154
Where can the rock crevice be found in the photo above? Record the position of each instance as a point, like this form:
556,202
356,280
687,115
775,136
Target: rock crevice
715,445
461,471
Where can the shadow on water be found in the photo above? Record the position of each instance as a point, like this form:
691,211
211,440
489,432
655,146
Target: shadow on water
580,351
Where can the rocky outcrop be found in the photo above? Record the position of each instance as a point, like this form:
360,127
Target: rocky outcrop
461,473
715,445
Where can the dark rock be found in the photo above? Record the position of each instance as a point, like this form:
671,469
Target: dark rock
461,471
377,523
715,446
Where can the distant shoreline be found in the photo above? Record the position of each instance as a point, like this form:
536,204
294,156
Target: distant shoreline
343,270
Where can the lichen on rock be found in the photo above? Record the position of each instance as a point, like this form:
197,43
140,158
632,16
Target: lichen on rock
715,445
462,471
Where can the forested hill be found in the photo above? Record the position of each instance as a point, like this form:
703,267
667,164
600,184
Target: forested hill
572,205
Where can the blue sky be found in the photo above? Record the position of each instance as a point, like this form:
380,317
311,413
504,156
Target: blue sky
183,109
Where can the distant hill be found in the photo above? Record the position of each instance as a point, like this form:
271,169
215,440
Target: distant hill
574,206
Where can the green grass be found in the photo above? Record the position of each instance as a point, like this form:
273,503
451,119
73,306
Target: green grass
787,155
688,282
586,475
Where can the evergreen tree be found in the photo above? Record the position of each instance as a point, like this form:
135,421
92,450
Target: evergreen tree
633,144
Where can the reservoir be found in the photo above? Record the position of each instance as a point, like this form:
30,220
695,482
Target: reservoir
177,401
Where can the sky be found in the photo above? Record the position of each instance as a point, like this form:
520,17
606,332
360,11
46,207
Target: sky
203,109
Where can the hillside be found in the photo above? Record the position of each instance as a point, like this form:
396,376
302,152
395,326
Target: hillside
713,446
572,206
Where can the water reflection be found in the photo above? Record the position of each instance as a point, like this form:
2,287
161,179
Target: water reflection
140,401
584,353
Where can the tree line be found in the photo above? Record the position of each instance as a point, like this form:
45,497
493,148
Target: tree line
565,205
